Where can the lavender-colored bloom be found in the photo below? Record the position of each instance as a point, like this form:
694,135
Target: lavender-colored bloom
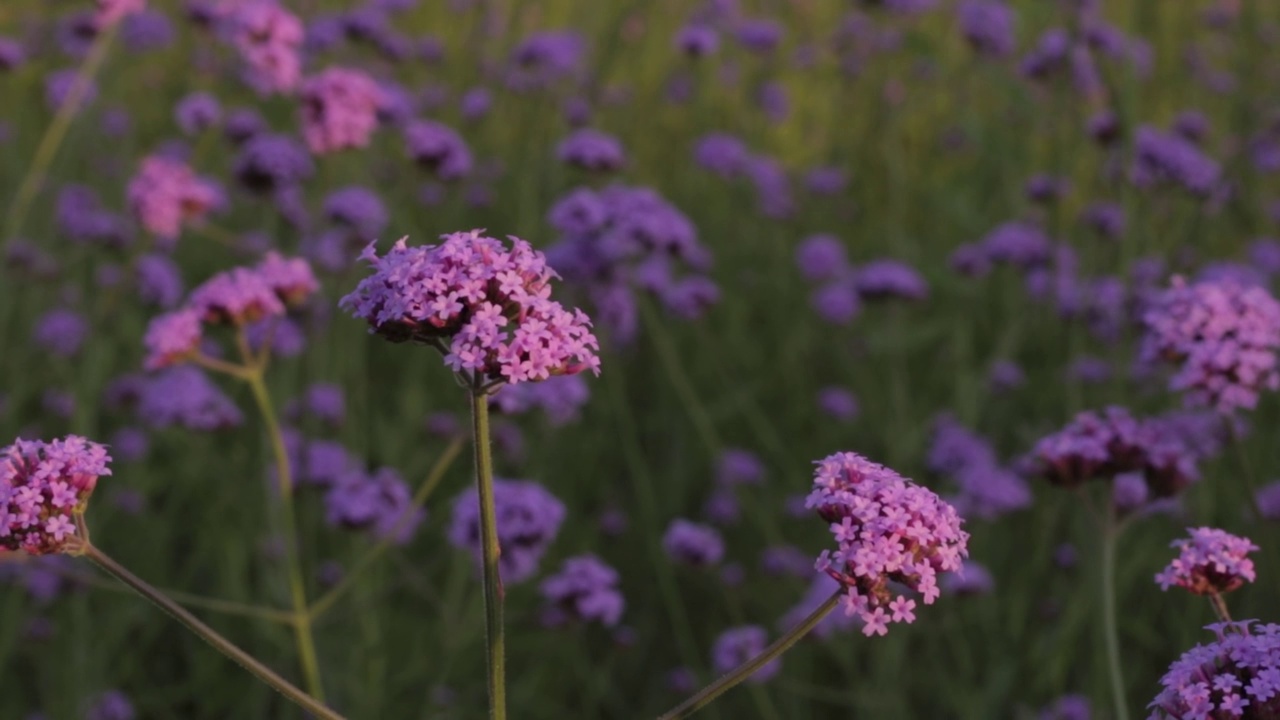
42,485
836,302
1192,125
58,403
198,112
359,209
146,31
1020,244
166,194
826,180
585,590
159,280
110,705
771,97
697,40
475,103
592,150
874,513
61,332
1268,499
737,466
1238,674
322,401
1106,219
822,257
970,260
690,543
1264,255
988,25
1045,188
1067,707
1049,54
885,279
528,518
772,186
12,54
1005,375
760,35
76,32
722,153
185,396
838,403
380,502
437,147
1089,369
1211,562
268,163
1161,157
339,108
787,560
737,645
269,39
561,398
243,124
971,579
1104,127
545,58
130,444
59,84
1104,445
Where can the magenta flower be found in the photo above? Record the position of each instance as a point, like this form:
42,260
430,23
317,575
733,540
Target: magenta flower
166,193
172,338
1222,337
1236,676
269,39
1212,561
43,487
488,307
291,279
236,297
887,529
339,110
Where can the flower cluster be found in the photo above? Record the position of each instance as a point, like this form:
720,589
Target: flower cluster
43,486
986,490
1235,676
269,39
438,148
166,193
491,304
585,589
1161,157
528,518
887,529
186,397
692,544
592,150
378,501
1211,561
339,110
1221,336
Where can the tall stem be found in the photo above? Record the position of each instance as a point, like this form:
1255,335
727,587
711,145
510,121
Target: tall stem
297,589
1219,606
211,636
1111,531
749,668
490,552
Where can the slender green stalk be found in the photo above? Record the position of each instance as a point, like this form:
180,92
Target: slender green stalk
1110,532
297,589
211,636
490,551
1219,606
749,668
226,607
326,601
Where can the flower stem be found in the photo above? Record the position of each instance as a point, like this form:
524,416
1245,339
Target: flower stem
326,601
749,668
1110,532
490,552
1219,606
297,589
211,636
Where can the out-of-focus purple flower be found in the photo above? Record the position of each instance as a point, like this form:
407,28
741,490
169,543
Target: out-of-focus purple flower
130,444
1045,188
584,590
787,560
269,39
1268,499
988,26
820,590
322,401
243,124
697,40
772,186
971,579
1089,369
146,31
528,518
887,278
987,491
681,680
1129,492
1104,127
268,163
737,645
379,502
838,403
438,148
737,466
475,103
970,260
185,396
1221,336
1005,375
690,543
822,257
1048,55
12,54
1067,707
545,58
1161,158
76,32
1233,272
1238,674
61,332
109,12
1192,125
358,209
592,150
58,403
826,180
172,338
1211,562
159,280
197,113
771,97
886,529
759,35
59,84
836,302
1019,244
110,705
42,486
1106,219
166,193
339,108
560,397
721,153
1264,255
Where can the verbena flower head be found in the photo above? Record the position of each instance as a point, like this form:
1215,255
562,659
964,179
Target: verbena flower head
339,110
887,278
43,486
166,193
172,338
1167,158
291,279
490,304
236,297
822,257
357,209
544,58
197,113
689,543
269,163
378,501
438,148
1067,707
561,398
1211,561
1222,338
738,645
528,519
269,39
1235,676
585,590
592,150
61,332
887,529
186,397
988,25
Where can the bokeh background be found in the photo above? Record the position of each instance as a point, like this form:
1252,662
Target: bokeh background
925,132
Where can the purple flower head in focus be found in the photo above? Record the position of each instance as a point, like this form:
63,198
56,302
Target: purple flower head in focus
1212,561
887,529
690,543
1238,674
43,488
584,590
528,519
737,645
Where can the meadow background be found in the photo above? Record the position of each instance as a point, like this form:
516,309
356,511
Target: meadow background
936,141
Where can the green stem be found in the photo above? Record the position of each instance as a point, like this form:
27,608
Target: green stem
320,606
1111,531
211,636
297,589
749,668
1219,606
226,607
490,552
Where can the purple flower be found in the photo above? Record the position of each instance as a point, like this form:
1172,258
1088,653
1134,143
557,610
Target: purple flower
697,40
379,501
1161,157
166,193
1005,375
887,278
43,486
585,590
886,529
692,544
12,54
58,86
544,58
159,280
787,560
1067,707
110,705
1089,369
507,328
1019,244
1106,219
822,257
528,518
836,302
358,209
268,163
236,297
1103,446
988,491
185,396
826,180
838,403
1264,255
172,338
322,401
475,103
198,112
988,26
61,332
971,579
592,150
760,35
438,148
147,30
243,124
560,397
970,260
737,645
269,39
1049,54
1240,669
130,444
1192,125
1213,561
739,467
339,108
721,153
1222,337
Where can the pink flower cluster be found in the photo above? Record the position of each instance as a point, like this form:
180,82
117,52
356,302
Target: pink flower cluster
1235,676
236,297
166,193
1211,561
339,110
269,39
42,487
888,530
492,304
1222,336
112,11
